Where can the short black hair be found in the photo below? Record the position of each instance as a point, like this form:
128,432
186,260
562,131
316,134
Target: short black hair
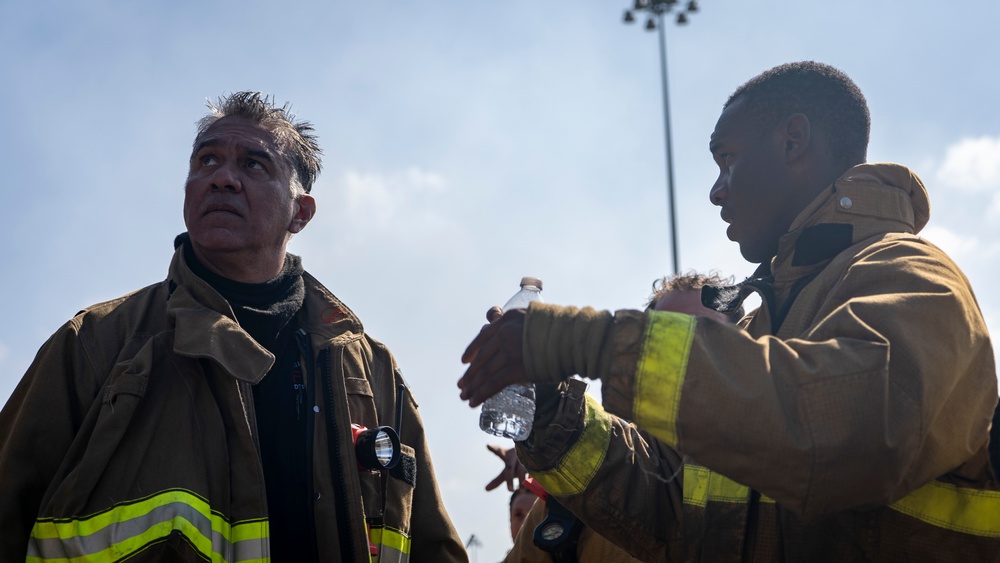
824,94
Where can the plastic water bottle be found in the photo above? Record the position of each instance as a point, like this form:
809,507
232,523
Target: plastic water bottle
511,412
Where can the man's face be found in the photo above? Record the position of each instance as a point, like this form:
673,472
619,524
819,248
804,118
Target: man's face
519,509
752,188
238,195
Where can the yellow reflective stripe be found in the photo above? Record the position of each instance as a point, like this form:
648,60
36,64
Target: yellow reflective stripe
660,373
394,545
251,530
129,527
702,485
970,511
54,528
392,538
959,509
580,464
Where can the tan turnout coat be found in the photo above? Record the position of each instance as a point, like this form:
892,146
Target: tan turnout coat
133,435
848,421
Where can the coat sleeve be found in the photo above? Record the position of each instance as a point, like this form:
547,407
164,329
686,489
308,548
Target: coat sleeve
888,386
623,484
37,425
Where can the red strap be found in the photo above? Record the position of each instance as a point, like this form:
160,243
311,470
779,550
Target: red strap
535,487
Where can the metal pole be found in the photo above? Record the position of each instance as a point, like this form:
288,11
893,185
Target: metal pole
670,159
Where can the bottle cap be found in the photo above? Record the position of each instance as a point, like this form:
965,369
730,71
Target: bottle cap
528,280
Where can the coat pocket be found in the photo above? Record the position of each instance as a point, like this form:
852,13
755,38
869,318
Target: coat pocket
99,441
360,401
146,468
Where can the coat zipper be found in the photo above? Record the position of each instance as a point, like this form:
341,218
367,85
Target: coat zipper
309,375
336,460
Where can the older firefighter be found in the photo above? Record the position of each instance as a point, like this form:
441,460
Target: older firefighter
209,417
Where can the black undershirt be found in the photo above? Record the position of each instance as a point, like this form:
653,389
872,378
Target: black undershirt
266,312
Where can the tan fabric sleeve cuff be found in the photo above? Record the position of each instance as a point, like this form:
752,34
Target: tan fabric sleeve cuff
559,415
623,351
564,341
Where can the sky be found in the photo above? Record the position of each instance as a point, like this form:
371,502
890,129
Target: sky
466,145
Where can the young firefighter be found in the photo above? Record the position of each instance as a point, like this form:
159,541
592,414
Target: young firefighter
847,421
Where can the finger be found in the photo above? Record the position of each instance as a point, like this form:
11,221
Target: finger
479,393
494,313
469,381
512,460
496,482
472,350
515,466
521,472
481,371
485,334
499,451
485,365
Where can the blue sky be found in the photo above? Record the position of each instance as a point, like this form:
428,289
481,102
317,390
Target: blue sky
466,145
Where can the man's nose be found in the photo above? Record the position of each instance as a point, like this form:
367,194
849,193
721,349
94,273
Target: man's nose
718,192
226,177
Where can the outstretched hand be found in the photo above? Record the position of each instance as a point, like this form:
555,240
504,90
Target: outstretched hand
512,468
495,357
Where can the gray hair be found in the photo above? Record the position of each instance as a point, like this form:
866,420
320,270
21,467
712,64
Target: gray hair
691,281
295,139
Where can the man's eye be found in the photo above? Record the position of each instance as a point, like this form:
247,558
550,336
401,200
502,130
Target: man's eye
207,160
255,164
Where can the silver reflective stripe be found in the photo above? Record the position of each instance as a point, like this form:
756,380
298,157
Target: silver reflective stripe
128,528
390,555
394,546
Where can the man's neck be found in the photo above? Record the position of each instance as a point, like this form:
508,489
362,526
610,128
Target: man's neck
241,267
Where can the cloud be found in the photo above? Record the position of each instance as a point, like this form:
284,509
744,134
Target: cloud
408,214
954,244
384,199
973,164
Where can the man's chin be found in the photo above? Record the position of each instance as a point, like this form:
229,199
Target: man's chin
744,247
755,255
216,240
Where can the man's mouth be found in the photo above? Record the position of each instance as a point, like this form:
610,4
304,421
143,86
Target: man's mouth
223,209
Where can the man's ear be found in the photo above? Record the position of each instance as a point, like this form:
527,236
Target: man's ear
305,208
797,133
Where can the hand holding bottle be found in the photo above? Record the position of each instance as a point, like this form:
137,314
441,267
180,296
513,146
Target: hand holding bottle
496,376
495,358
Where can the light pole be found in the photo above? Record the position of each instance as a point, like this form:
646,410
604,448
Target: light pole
657,9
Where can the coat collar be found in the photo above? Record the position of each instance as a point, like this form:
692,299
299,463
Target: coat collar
205,326
866,201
